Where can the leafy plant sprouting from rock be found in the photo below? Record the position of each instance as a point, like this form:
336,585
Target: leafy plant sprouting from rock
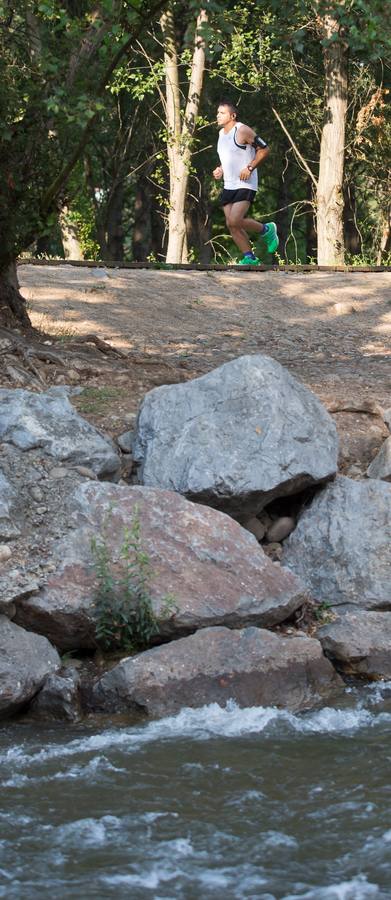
323,613
125,619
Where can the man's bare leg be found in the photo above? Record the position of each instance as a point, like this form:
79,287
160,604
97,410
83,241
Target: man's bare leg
253,225
234,216
239,224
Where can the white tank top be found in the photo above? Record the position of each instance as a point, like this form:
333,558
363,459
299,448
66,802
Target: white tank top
234,157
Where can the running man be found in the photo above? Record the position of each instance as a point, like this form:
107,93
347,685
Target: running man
241,151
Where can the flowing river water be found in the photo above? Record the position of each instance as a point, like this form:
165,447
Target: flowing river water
222,803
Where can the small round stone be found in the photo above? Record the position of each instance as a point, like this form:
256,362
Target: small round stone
5,553
280,529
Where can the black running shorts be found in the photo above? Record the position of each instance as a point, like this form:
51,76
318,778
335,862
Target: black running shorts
236,196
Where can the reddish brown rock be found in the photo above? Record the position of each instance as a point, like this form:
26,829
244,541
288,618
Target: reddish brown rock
254,667
214,570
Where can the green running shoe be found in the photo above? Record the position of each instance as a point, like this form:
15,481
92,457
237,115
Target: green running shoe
270,237
247,261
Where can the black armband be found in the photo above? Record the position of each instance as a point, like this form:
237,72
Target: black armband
258,143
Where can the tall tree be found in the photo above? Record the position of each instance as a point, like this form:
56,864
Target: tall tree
361,28
329,192
180,126
56,62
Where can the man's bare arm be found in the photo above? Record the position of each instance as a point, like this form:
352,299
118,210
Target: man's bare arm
246,135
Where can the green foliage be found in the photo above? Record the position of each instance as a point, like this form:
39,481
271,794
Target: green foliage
55,64
98,400
247,56
364,25
81,214
322,612
85,229
125,618
138,81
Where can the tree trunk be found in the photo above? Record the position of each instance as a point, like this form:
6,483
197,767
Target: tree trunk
385,239
311,239
141,239
199,224
351,234
70,240
179,175
282,217
99,224
158,230
114,225
332,148
12,305
42,246
180,135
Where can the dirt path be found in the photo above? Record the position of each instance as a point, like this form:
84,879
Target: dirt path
331,330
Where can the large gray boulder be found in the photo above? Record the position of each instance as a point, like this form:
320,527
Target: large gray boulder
213,569
381,465
253,667
49,421
25,661
341,547
235,438
34,498
359,643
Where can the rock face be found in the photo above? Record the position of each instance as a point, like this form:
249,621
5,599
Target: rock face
381,466
214,570
359,643
58,699
254,667
235,438
49,421
25,661
34,514
341,547
8,529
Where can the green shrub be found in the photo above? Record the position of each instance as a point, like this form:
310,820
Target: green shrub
323,613
125,619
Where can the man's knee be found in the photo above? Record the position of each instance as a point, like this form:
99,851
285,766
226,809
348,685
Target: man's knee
234,221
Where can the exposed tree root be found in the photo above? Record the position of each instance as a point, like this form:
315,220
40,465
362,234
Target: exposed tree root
37,360
99,343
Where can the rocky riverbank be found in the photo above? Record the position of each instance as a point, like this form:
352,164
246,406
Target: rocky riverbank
224,512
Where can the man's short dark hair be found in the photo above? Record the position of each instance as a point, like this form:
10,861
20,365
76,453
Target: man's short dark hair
231,106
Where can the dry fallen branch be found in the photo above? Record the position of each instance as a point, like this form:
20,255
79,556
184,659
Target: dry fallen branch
99,343
149,361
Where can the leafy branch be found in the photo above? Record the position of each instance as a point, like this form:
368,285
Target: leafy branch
125,619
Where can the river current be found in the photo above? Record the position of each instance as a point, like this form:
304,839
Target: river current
222,803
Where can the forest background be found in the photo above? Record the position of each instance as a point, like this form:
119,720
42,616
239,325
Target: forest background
108,134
